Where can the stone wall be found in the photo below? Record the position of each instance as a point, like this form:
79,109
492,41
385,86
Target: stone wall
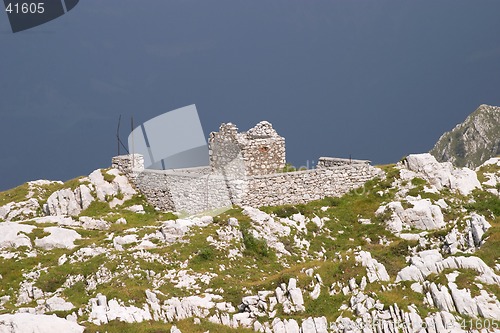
260,150
244,170
184,192
304,186
327,162
128,164
195,190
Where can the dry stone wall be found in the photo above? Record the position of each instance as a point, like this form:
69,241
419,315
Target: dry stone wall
304,186
198,190
244,170
183,192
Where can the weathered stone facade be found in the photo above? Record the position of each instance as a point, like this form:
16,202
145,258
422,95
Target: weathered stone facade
128,164
261,149
243,171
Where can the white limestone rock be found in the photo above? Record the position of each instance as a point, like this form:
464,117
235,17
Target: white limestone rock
119,241
31,323
139,209
315,325
173,230
291,326
440,175
174,329
278,326
471,237
89,223
58,219
431,261
316,291
66,202
58,238
191,306
477,227
85,253
118,186
375,271
56,303
103,311
488,306
103,189
14,211
121,220
295,295
13,235
267,228
423,215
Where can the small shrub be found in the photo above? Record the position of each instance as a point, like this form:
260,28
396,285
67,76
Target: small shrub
312,227
50,282
204,254
282,211
418,181
288,168
255,246
107,177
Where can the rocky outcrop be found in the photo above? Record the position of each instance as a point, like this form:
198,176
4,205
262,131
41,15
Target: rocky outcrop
423,215
29,323
439,175
473,141
102,311
19,210
67,202
13,235
470,238
58,238
375,271
431,261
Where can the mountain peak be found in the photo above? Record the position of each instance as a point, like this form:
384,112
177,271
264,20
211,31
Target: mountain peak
473,141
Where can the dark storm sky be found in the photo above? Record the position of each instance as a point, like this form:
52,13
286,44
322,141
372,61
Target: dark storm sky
374,79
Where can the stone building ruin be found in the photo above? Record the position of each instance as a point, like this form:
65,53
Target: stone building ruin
245,169
261,149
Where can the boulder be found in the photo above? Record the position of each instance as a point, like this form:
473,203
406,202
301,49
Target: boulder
67,202
375,271
440,175
105,190
30,323
13,235
56,303
423,215
58,238
19,210
89,223
470,238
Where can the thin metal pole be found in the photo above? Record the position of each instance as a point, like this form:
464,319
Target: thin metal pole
132,134
118,134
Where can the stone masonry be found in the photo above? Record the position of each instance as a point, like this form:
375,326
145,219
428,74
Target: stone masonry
246,169
261,149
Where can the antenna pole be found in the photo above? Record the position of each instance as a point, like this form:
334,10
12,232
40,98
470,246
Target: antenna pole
118,134
132,134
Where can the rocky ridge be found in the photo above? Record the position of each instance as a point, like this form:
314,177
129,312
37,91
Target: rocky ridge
472,142
414,250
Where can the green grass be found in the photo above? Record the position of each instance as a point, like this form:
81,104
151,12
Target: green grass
16,194
107,177
486,204
254,246
186,325
492,168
